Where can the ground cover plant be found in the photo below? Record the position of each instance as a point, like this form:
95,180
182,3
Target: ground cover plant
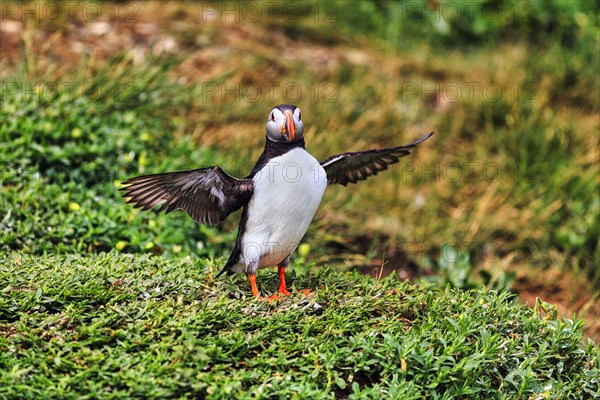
138,326
99,300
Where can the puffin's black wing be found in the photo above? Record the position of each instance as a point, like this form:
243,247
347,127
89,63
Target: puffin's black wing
208,195
354,167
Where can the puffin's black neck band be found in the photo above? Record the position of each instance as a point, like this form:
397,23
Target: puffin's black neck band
274,149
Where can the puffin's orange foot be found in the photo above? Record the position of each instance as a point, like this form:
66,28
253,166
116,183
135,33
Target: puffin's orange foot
273,297
255,292
280,292
305,291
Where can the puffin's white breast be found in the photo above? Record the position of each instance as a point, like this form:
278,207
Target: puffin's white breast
287,193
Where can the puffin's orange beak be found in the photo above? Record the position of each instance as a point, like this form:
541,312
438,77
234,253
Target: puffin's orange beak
289,126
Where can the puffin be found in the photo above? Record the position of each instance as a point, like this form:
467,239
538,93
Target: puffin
278,198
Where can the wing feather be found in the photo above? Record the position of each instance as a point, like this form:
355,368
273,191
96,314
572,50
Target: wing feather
354,167
207,195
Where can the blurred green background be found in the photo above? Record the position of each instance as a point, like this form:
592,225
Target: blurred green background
506,194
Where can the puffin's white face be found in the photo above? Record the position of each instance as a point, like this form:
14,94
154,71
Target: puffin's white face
285,124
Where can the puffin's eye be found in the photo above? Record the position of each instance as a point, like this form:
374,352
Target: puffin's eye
272,116
299,116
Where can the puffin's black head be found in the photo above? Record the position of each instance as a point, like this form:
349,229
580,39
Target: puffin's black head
285,124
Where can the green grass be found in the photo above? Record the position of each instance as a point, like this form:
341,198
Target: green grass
65,156
124,326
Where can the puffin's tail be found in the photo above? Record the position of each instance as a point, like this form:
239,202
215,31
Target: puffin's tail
226,269
234,259
236,254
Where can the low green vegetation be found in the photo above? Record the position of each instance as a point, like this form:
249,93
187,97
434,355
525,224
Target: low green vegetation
138,326
62,164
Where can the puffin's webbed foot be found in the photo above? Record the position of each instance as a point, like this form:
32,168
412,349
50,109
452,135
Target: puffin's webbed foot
282,290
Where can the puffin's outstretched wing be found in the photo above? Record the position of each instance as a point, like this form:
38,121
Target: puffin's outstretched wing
208,195
354,167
